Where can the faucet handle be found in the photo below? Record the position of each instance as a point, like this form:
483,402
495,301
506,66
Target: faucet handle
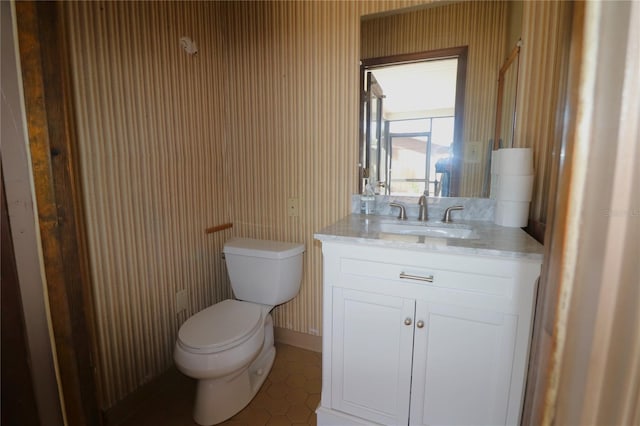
403,210
447,213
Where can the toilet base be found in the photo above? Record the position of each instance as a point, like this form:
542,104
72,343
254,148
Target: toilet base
221,398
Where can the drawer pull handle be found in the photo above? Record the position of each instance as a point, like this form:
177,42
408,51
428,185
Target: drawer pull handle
428,278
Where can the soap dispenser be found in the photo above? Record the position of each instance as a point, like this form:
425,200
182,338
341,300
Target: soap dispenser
367,199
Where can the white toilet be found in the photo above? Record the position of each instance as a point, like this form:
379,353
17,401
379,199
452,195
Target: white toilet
229,346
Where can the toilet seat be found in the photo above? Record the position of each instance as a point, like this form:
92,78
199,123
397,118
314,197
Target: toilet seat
219,327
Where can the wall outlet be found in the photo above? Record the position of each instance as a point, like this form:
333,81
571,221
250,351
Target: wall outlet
293,205
182,300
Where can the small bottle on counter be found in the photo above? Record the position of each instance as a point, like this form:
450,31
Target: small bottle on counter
367,199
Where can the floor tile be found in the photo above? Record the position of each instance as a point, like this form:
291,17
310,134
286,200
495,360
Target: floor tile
289,396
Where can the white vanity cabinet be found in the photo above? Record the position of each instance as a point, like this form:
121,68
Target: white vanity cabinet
424,338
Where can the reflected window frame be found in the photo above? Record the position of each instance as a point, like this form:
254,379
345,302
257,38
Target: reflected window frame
459,52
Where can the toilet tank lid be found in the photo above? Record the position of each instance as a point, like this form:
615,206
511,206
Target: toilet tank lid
262,248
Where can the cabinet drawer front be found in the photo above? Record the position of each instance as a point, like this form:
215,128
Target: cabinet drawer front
481,283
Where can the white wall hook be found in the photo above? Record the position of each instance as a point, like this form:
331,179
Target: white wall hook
188,45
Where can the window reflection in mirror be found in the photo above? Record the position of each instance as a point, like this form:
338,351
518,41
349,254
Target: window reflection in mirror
408,123
420,160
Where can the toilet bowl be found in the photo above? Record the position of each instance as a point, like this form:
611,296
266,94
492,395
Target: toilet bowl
229,347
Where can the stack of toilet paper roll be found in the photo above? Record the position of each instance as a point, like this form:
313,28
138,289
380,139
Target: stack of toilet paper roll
511,185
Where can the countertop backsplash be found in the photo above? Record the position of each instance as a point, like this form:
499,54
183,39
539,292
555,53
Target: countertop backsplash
474,208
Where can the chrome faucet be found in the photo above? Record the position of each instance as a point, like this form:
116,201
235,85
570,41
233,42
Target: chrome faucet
403,210
447,213
422,214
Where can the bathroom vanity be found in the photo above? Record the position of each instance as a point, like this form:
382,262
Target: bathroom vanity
424,327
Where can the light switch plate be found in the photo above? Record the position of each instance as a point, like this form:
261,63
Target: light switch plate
472,152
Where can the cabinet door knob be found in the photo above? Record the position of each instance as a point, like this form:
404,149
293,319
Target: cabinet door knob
420,324
407,321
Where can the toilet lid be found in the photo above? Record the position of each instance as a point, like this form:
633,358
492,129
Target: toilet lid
221,326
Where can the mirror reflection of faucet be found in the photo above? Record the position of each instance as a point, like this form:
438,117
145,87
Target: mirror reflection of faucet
422,214
403,210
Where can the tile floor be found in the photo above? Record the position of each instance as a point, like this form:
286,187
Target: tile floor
289,396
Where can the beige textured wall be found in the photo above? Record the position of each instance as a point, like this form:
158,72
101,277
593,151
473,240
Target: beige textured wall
172,144
514,24
479,25
542,85
150,130
291,129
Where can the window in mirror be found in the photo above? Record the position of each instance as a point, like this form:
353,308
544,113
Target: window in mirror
420,157
411,108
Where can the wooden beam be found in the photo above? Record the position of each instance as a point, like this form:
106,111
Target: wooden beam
50,126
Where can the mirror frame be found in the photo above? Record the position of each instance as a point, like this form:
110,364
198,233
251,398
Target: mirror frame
459,52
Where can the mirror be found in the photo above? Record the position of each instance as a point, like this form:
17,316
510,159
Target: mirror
507,97
484,30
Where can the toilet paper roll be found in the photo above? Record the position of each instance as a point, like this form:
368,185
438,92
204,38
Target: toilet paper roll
515,161
514,188
512,213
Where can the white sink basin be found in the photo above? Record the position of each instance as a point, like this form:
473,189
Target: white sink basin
438,231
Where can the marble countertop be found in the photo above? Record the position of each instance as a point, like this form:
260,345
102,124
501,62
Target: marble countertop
490,239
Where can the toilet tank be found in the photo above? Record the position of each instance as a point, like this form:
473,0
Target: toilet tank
264,271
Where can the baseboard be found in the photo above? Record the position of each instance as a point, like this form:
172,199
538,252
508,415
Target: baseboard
128,406
297,339
329,417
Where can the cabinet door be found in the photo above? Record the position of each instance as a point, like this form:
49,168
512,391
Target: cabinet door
462,365
371,355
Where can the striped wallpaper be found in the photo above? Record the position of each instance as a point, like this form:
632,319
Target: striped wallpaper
542,85
151,138
291,132
173,143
